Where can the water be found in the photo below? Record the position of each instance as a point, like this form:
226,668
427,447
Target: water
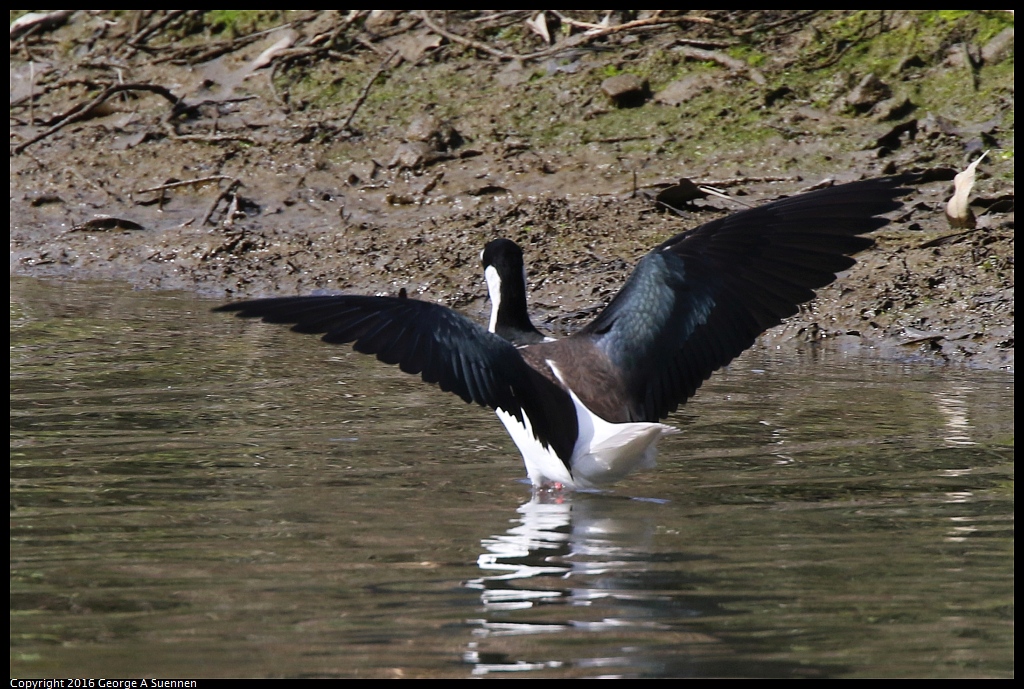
193,495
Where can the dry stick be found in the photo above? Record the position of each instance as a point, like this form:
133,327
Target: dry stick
213,138
185,183
422,14
46,88
230,46
726,61
856,40
366,90
589,36
135,40
235,183
31,92
781,22
23,40
734,181
202,53
171,185
578,24
487,18
574,42
589,25
367,43
972,69
946,238
80,112
229,215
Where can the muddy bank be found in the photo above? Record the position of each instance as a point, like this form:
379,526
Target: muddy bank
241,154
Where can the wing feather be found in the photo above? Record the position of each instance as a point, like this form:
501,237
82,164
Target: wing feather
702,297
443,346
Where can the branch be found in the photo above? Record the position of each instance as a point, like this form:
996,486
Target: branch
81,112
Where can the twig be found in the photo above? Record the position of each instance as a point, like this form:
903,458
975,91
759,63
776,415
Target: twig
781,22
213,138
591,27
711,191
209,51
88,182
735,181
938,241
134,41
422,14
31,92
582,25
697,42
229,214
370,45
185,183
649,21
235,183
726,61
171,185
972,68
81,112
366,91
847,44
573,42
488,18
172,133
48,87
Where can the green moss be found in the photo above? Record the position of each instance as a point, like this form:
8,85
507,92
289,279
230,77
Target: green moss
748,54
564,110
234,23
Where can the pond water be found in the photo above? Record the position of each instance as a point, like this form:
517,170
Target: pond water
194,495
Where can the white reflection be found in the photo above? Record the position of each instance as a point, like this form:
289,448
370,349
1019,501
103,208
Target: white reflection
953,406
560,554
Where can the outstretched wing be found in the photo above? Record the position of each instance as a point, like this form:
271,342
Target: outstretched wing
698,300
443,346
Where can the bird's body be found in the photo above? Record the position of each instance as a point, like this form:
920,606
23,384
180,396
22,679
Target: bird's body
584,410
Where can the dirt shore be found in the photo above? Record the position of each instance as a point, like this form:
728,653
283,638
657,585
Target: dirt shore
263,153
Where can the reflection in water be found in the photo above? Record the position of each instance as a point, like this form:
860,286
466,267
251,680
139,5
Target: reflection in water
953,404
557,552
195,497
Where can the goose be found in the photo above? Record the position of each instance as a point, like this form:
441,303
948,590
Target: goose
585,410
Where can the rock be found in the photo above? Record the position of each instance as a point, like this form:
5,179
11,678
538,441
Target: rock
892,109
999,47
869,91
682,90
411,155
436,133
626,90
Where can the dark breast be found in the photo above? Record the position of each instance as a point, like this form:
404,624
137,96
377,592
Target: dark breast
587,372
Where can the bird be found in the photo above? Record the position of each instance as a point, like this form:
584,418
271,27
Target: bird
585,410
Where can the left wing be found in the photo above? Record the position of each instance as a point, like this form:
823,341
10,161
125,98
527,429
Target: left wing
441,345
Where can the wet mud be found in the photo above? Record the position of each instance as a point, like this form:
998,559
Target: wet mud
254,154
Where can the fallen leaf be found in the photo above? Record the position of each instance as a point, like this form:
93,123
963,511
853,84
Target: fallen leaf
958,210
107,224
267,56
539,25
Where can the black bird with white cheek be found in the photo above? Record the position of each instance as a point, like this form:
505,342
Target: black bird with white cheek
584,410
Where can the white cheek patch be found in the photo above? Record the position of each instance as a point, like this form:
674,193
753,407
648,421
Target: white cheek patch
494,290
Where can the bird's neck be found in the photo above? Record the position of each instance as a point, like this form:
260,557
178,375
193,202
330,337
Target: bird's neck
509,317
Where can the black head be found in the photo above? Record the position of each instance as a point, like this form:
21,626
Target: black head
503,255
506,282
